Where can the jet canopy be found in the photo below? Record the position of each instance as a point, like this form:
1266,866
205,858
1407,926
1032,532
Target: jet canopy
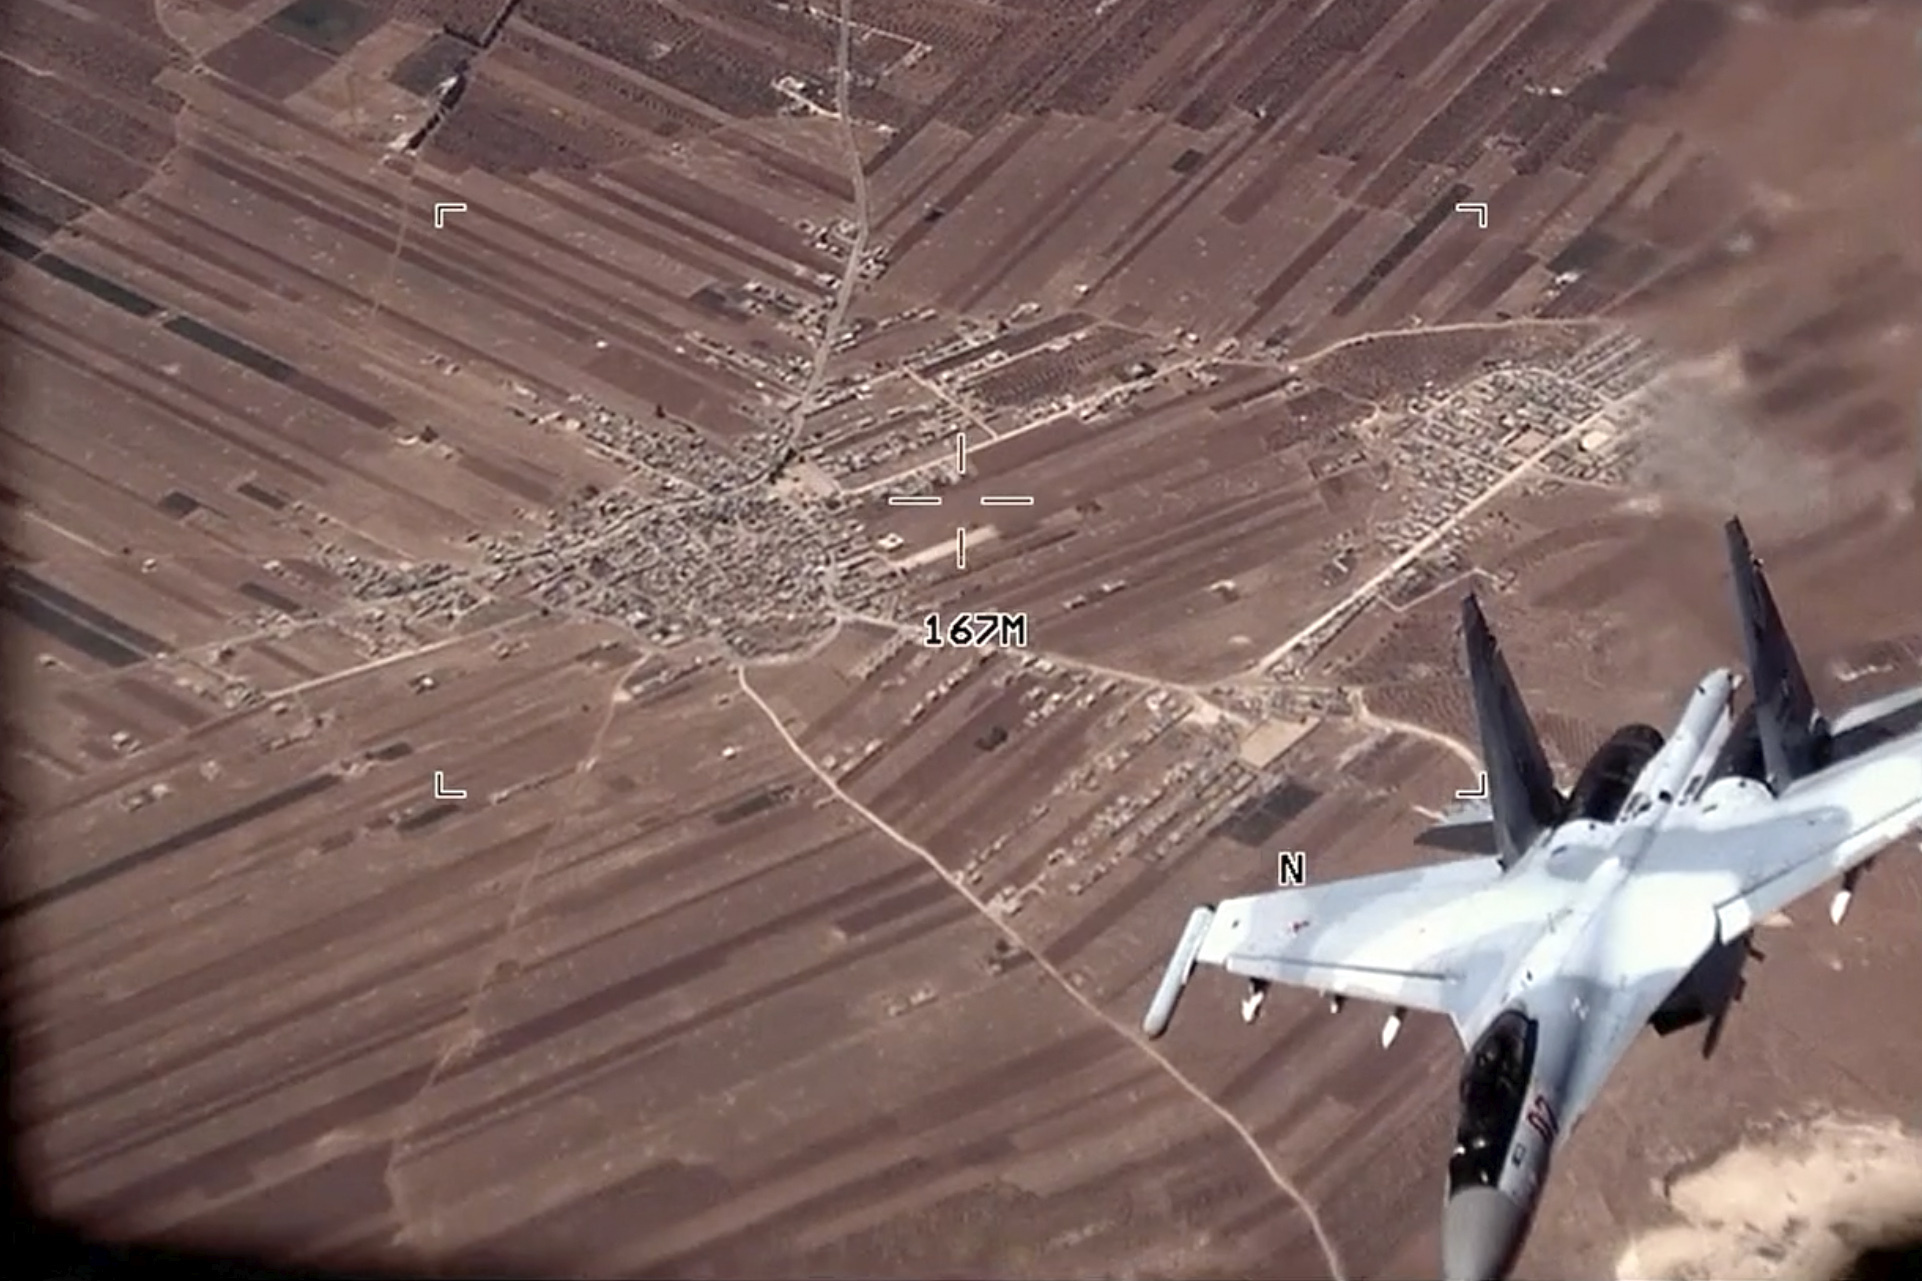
1493,1089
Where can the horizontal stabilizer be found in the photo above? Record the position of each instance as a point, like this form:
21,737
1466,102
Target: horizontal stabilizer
1892,714
1181,966
1466,829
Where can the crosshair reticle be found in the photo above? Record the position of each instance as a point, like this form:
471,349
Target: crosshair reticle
986,500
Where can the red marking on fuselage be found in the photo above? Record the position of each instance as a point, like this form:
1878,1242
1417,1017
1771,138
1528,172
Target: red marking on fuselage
1541,1118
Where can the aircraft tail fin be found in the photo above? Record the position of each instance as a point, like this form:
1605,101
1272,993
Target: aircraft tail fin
1522,798
1787,724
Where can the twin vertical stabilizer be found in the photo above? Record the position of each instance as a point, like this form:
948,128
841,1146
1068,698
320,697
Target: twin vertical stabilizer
1792,733
1522,798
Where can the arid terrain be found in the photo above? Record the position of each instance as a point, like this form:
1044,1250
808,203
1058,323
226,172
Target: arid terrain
481,472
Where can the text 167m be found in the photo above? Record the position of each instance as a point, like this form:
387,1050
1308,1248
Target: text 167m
1007,631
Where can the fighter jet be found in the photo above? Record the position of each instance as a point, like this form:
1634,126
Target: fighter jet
1627,901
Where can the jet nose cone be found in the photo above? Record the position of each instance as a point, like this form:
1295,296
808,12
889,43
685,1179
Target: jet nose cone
1481,1234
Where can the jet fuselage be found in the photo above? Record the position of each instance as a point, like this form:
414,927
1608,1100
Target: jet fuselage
1582,917
1519,1073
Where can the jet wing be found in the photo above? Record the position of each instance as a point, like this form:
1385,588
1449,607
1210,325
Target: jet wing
1710,877
1753,860
1428,938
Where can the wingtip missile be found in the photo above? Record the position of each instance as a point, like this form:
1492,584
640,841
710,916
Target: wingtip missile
1181,966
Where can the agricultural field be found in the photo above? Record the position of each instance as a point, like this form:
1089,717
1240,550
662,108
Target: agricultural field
485,476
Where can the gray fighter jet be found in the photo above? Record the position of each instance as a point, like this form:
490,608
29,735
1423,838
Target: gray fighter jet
1628,901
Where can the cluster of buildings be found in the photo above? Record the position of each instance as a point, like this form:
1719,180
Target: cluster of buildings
1448,450
755,546
746,565
696,543
1578,421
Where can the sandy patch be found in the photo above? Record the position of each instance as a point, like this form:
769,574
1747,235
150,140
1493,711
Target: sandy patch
1796,1206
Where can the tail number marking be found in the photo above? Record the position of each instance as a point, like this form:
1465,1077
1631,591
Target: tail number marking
1541,1118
